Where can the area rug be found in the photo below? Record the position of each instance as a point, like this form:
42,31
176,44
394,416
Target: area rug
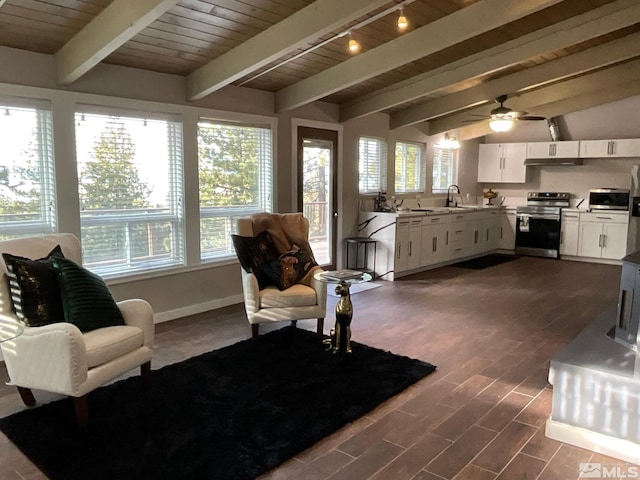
232,413
355,288
487,261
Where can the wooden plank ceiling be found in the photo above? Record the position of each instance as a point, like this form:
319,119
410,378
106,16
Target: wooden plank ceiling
455,57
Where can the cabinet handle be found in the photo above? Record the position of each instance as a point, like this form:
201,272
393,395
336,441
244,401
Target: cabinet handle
604,218
447,240
604,241
600,240
487,234
561,238
500,233
475,236
568,215
410,247
434,245
610,148
399,247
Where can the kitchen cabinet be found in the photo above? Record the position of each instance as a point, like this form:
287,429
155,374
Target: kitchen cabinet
415,241
435,239
461,235
491,230
402,245
507,234
629,147
603,235
553,149
502,163
569,233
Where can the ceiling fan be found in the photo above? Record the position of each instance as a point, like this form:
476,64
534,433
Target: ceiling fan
502,118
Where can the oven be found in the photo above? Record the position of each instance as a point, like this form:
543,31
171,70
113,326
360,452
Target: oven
538,224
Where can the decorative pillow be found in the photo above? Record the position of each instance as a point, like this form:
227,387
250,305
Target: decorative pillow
289,268
86,299
253,252
34,288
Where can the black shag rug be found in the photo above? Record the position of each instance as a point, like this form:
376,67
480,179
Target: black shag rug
232,413
487,261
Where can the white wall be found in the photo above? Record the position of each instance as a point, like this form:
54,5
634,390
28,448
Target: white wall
620,119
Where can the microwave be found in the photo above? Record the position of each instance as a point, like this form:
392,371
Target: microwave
609,199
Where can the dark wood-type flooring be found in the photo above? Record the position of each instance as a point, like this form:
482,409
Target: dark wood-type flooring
480,416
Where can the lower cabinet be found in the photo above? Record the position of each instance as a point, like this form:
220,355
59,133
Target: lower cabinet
603,235
402,245
507,233
569,233
435,240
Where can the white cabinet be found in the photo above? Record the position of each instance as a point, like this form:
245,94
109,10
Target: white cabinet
435,239
569,232
402,245
415,241
461,235
507,236
603,235
553,149
629,147
491,230
502,163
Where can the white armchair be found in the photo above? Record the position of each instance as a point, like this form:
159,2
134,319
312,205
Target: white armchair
270,304
60,358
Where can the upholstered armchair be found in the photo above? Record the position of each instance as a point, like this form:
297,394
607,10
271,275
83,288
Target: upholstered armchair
59,357
304,299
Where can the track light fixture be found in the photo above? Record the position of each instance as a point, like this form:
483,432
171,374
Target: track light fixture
403,23
354,46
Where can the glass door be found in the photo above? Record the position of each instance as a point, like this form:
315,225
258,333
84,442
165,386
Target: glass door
317,190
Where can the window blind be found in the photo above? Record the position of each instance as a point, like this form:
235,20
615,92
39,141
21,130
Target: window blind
235,164
444,168
409,167
130,181
27,176
372,165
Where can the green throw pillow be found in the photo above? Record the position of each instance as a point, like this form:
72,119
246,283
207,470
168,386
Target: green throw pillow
86,299
34,288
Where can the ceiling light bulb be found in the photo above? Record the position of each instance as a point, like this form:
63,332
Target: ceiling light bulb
403,23
449,142
354,46
501,124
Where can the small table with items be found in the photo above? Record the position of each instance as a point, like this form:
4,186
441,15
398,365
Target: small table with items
340,340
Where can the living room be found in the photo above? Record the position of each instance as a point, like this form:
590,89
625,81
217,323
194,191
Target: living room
187,299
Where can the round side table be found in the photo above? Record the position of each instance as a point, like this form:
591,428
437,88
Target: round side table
340,340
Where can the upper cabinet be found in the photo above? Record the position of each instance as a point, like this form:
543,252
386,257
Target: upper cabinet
553,149
610,148
502,163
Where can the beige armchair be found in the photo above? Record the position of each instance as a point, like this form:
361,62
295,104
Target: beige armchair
304,300
58,357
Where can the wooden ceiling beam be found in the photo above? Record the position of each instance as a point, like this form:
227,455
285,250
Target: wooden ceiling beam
534,77
534,100
602,20
120,21
292,33
461,25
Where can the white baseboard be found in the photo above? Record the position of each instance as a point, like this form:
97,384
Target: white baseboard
198,308
594,441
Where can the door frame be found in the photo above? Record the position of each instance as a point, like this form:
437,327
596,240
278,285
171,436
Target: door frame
302,122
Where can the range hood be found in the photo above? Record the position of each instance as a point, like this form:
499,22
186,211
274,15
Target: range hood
553,162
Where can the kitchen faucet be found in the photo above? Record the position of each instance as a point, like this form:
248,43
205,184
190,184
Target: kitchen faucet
449,201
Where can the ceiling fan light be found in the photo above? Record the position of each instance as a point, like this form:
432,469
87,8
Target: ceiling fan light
403,23
501,124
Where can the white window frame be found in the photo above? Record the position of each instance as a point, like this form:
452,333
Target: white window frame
128,218
16,226
400,184
444,159
372,153
266,178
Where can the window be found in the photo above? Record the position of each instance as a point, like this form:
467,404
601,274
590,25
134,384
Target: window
235,164
27,183
409,167
444,168
372,165
130,186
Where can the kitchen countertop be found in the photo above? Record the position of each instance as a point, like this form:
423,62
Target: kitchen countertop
440,210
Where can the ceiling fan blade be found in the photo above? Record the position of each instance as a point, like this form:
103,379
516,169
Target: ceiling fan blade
531,117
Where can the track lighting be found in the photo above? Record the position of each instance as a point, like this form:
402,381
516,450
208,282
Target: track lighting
403,23
354,45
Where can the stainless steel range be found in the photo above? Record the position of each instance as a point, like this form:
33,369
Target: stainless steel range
538,224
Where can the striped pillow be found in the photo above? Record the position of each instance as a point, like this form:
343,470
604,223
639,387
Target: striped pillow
86,299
